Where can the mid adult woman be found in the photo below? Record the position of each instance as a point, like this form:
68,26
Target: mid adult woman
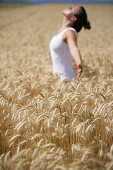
63,46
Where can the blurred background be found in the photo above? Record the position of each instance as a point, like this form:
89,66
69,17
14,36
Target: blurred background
56,1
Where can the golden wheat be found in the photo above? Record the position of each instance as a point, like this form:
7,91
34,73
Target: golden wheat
45,123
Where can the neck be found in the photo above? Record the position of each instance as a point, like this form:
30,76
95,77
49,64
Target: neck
66,23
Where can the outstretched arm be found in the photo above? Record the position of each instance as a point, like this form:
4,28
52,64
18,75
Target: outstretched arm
72,43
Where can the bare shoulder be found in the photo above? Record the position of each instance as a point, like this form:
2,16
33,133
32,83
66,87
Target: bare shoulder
69,35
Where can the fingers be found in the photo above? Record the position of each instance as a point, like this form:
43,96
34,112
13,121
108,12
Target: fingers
78,75
79,71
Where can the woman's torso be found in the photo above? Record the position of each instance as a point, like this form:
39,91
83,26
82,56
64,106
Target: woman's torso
61,56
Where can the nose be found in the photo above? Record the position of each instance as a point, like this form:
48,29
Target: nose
69,7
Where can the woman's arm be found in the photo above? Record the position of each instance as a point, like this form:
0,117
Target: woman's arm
72,43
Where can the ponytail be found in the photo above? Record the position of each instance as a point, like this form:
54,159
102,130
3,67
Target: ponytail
81,21
87,25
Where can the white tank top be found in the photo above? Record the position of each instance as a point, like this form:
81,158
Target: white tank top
61,56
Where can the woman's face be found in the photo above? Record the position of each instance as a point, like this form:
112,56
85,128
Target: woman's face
70,11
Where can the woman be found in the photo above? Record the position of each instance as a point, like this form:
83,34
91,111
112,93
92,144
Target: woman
63,46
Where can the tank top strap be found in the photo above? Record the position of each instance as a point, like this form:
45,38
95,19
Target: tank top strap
70,29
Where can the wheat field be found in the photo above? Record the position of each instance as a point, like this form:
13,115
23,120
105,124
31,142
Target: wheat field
46,124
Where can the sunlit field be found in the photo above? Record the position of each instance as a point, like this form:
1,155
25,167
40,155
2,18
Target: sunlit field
46,124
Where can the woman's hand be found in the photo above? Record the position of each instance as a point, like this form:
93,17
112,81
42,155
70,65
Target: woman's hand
79,71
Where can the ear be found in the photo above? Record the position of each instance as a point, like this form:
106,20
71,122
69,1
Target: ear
73,18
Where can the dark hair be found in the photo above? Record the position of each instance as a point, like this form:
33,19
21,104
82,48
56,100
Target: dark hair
81,21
